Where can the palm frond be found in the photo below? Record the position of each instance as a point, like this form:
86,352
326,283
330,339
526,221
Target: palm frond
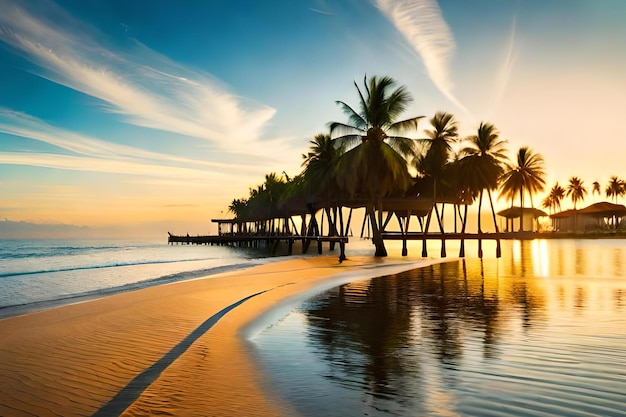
405,125
404,146
354,118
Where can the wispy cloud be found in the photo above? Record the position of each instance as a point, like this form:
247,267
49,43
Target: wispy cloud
504,74
421,23
29,127
144,87
84,163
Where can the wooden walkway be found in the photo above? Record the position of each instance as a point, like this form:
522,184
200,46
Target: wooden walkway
254,240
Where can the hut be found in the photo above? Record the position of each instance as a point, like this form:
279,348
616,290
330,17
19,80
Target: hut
598,216
528,215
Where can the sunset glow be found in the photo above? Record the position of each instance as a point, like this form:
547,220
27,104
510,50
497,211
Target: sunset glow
148,117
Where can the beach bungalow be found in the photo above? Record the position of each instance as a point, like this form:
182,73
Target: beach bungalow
598,216
530,218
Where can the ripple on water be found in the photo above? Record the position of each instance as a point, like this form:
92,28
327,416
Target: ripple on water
461,338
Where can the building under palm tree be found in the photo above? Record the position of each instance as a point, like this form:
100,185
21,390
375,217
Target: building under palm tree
596,217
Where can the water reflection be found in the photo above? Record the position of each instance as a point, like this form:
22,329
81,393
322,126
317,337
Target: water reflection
463,337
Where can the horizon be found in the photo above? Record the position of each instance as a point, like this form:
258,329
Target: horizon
113,118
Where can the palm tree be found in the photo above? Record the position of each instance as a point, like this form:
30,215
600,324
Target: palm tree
596,188
433,163
576,190
553,201
238,208
320,164
482,165
615,188
376,167
376,119
548,203
557,194
321,160
527,176
438,144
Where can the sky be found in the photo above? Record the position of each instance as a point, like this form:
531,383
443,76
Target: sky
149,116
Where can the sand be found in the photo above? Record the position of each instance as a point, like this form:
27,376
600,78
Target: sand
162,350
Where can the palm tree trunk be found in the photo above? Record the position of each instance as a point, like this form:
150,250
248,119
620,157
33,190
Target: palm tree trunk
377,237
521,209
495,224
439,220
426,226
480,206
463,224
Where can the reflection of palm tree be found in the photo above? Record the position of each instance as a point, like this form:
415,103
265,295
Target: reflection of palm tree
376,167
527,176
615,188
370,327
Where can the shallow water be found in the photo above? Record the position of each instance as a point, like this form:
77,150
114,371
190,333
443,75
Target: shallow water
541,331
41,273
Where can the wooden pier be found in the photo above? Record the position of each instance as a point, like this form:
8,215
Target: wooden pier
256,241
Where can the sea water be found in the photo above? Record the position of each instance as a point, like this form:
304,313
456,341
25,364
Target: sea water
539,332
43,273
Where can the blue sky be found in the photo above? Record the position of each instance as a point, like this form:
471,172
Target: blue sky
159,113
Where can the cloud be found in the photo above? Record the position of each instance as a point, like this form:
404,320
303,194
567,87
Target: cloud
82,163
144,87
504,73
26,126
421,23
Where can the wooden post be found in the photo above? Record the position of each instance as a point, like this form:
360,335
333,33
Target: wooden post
424,249
342,251
405,232
462,249
443,239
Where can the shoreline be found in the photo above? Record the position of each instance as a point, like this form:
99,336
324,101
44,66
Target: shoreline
74,359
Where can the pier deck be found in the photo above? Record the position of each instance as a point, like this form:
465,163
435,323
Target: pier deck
255,240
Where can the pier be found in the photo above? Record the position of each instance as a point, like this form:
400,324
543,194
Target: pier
325,223
257,241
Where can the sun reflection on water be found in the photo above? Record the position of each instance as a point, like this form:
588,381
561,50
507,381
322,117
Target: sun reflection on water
460,338
541,258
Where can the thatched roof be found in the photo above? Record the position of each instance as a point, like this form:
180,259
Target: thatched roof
516,212
602,209
563,214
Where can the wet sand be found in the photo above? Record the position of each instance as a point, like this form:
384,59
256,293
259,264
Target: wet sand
177,349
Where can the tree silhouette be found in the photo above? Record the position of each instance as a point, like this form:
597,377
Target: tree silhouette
525,177
376,166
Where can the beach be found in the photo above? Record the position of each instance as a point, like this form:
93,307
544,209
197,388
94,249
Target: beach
174,349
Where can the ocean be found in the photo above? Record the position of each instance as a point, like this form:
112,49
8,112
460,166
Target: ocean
43,273
539,332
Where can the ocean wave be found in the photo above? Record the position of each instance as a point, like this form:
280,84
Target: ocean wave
101,266
16,309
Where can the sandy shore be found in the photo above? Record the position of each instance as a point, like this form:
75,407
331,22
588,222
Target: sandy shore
177,349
